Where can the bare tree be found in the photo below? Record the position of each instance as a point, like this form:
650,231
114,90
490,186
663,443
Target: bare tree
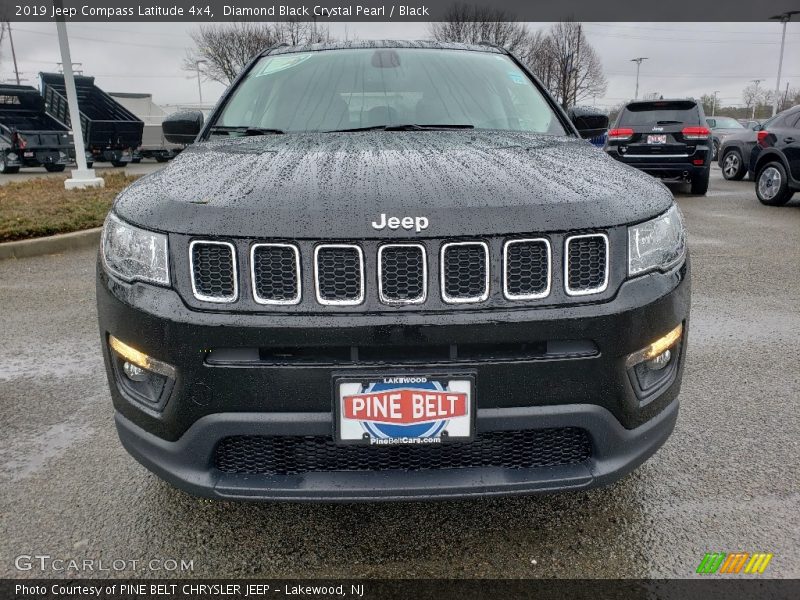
224,50
577,73
480,24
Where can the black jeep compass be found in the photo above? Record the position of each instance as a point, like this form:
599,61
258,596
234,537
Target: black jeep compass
388,271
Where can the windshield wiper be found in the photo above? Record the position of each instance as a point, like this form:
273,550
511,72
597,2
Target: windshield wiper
404,127
245,130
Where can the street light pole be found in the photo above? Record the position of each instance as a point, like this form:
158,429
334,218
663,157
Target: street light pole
638,62
82,177
714,104
784,18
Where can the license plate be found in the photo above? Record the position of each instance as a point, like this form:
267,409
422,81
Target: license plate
390,410
656,139
28,154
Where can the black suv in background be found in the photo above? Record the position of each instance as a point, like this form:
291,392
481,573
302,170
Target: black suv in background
668,139
775,159
392,270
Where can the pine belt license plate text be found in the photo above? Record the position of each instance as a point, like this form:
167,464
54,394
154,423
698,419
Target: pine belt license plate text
404,409
656,139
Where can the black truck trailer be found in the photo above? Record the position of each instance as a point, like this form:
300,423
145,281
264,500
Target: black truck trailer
110,131
29,137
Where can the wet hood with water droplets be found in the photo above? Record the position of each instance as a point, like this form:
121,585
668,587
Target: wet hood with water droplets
335,185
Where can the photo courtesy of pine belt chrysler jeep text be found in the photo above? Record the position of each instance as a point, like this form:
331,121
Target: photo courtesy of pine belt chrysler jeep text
392,270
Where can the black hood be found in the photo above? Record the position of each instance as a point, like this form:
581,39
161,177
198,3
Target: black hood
334,185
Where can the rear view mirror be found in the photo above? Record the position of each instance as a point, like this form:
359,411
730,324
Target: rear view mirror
589,122
182,127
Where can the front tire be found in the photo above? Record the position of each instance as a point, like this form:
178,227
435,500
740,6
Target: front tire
55,168
772,185
733,168
700,183
118,163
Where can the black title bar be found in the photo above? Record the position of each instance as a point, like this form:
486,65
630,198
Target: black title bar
410,10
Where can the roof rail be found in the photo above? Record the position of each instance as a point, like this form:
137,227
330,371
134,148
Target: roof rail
492,45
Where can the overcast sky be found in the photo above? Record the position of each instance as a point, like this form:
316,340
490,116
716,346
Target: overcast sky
684,59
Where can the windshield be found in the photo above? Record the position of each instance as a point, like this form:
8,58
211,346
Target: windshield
726,123
361,88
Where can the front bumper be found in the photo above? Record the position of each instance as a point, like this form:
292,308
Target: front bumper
209,403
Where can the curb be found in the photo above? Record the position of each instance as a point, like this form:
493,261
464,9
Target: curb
52,244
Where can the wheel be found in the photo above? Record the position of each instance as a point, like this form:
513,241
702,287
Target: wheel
772,185
161,158
118,163
5,169
700,183
55,168
715,149
89,165
733,168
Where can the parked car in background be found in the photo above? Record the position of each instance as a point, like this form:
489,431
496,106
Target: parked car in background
752,124
734,153
29,137
721,127
667,139
775,159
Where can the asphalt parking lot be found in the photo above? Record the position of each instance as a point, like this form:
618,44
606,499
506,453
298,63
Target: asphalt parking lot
100,169
727,480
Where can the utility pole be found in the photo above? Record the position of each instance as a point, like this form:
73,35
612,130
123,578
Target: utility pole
82,177
199,84
714,104
784,18
638,62
755,97
13,53
577,68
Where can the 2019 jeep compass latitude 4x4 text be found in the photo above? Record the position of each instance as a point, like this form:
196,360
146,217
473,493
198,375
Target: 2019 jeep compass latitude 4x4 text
392,270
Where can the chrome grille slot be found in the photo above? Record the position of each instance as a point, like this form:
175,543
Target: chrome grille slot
275,271
339,274
526,273
402,273
464,272
213,270
586,264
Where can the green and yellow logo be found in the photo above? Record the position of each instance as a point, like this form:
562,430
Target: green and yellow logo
734,563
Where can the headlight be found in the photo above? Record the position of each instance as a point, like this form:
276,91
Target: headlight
657,244
132,254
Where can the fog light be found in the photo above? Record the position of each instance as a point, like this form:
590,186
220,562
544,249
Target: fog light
133,372
660,361
140,359
657,348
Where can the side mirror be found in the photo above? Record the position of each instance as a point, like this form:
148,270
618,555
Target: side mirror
589,122
182,127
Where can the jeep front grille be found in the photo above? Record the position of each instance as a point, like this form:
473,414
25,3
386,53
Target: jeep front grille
213,266
339,274
465,272
275,273
402,273
434,274
527,269
586,264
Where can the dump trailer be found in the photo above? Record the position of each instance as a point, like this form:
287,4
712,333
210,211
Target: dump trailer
110,131
29,137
